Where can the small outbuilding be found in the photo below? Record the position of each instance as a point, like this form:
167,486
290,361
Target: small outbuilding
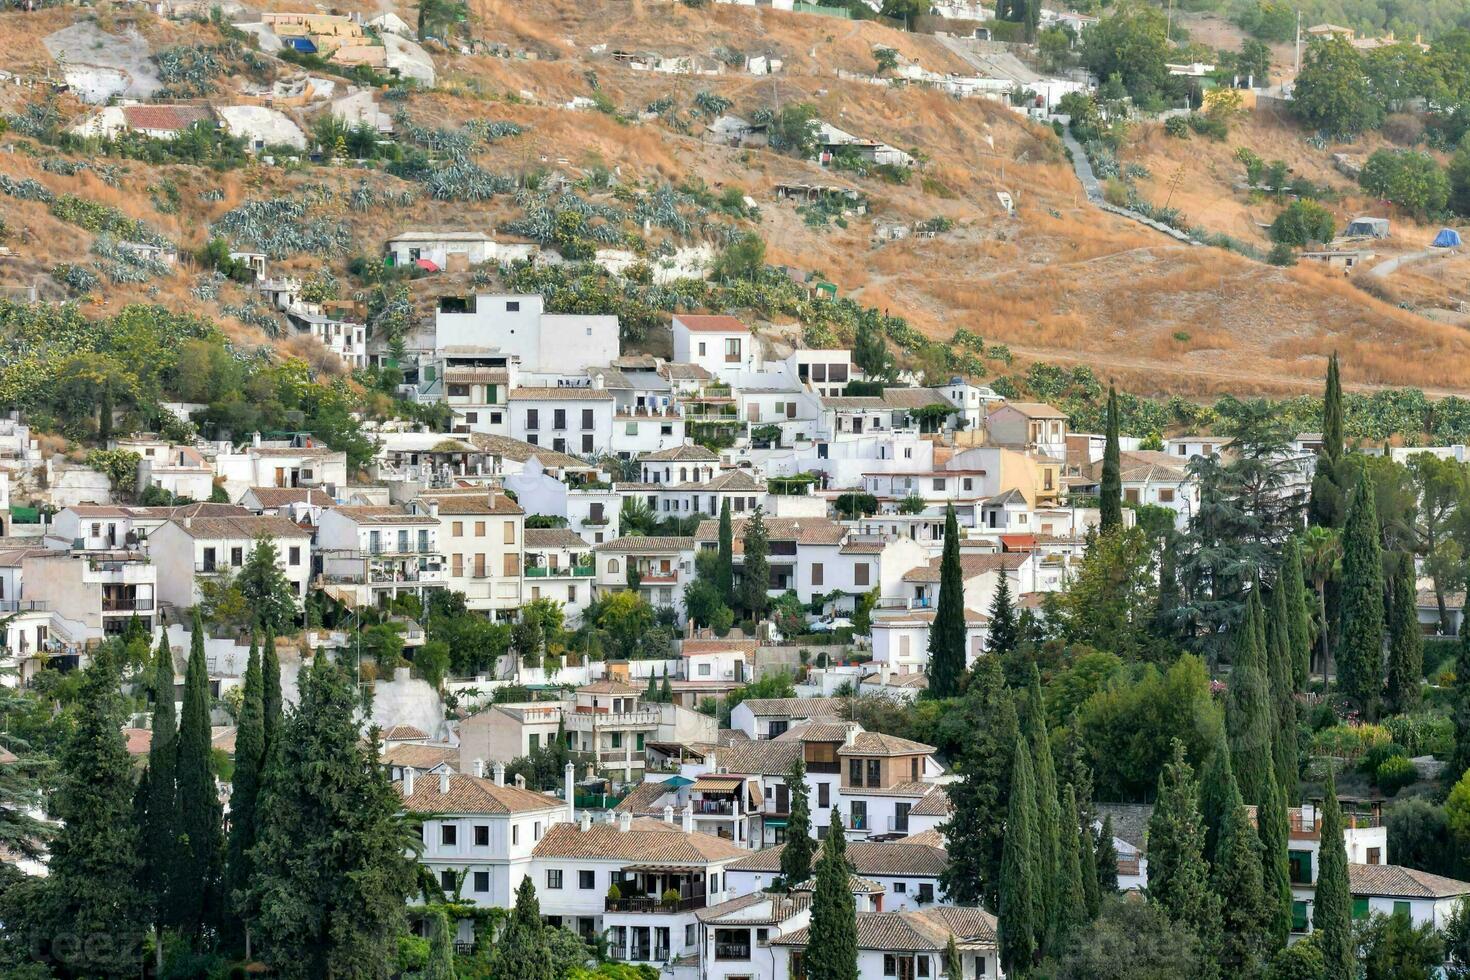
1369,227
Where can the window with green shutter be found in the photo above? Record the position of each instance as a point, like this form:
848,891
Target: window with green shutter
1360,908
1298,916
1402,907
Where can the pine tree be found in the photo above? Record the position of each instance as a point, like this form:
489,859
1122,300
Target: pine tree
1275,866
1406,642
1003,637
796,856
755,574
522,951
1248,712
195,889
329,828
92,890
1332,912
947,633
832,952
725,565
975,831
1324,508
1360,650
1020,923
1048,810
1178,872
1107,858
1219,795
245,793
1071,897
267,590
1237,882
651,693
1111,507
1280,659
160,826
1298,615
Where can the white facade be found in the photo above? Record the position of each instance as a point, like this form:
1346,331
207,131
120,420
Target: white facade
722,345
545,343
184,550
578,421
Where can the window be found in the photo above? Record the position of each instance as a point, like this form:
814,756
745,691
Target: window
472,417
533,419
1360,908
617,740
515,834
922,963
968,483
509,532
701,348
237,557
558,418
1166,495
860,574
553,878
482,881
732,350
293,556
875,772
1131,494
900,888
939,483
890,965
1375,855
448,834
586,879
704,670
479,529
859,819
855,772
926,892
512,565
824,795
587,443
446,880
534,742
531,437
482,835
1401,907
1298,916
1300,864
816,573
459,391
914,770
587,422
458,528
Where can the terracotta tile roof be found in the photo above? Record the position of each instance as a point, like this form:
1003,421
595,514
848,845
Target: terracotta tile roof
694,647
913,398
855,403
560,395
641,801
712,324
646,841
306,452
913,788
494,376
816,731
99,510
911,931
285,496
684,372
756,909
608,687
870,859
902,617
520,451
421,757
404,733
794,707
470,794
205,528
680,454
641,544
763,757
803,530
1032,410
167,118
931,838
139,740
862,548
855,884
473,504
1395,881
383,515
553,537
934,804
970,565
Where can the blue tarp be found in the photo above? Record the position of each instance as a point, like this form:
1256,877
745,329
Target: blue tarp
1447,238
303,44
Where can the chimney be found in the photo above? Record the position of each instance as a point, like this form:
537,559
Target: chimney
499,771
687,818
668,813
433,507
407,781
569,787
852,732
443,783
520,781
491,491
255,439
713,762
479,768
625,822
585,822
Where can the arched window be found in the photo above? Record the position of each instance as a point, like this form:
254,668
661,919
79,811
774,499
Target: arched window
683,474
612,566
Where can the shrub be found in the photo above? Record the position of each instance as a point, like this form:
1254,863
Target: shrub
1378,754
671,896
1403,128
1115,192
1301,222
1423,733
1408,178
1209,125
1281,254
1394,774
614,892
1177,127
1348,741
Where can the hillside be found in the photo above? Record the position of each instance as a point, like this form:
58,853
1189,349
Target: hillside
1059,281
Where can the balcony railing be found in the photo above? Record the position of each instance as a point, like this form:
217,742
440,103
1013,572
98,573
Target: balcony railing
581,571
898,825
725,808
732,951
654,905
126,605
23,605
642,954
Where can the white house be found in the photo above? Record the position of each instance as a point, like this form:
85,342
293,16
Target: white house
665,565
735,936
558,566
371,555
591,507
1388,889
909,944
187,549
180,470
1029,425
481,535
720,344
565,420
765,718
455,251
262,464
907,870
557,345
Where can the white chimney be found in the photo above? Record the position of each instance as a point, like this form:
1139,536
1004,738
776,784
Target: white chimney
852,733
407,781
479,768
443,783
255,439
433,507
688,818
520,781
668,813
586,822
499,771
569,787
625,821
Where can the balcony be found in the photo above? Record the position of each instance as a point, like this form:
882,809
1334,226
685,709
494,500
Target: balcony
898,825
654,905
642,954
585,719
717,808
24,605
732,951
111,604
580,571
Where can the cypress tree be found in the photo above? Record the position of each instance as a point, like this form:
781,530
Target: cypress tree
1107,858
1275,867
1298,616
160,825
725,566
245,792
1166,610
1048,810
1219,795
650,694
92,888
1111,508
1178,872
975,831
947,633
954,967
1460,705
1020,923
1332,443
1071,897
1324,507
1237,882
1332,910
270,675
796,856
195,888
522,950
1360,650
1003,635
755,578
666,689
1406,641
1248,711
1087,867
441,948
1283,694
832,952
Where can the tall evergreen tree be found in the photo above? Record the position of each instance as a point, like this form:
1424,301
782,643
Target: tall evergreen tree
160,825
1360,650
245,793
947,634
522,951
1004,630
975,831
1166,612
1071,896
92,889
1048,810
1178,872
666,689
1219,795
1236,877
1275,866
270,675
755,574
1107,858
796,856
1020,920
267,590
1248,711
441,948
1280,658
1460,706
869,350
833,951
329,828
1406,641
196,886
954,967
1111,507
1324,508
1332,911
1293,577
725,565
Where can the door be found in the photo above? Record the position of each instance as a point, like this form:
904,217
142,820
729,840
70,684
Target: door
783,798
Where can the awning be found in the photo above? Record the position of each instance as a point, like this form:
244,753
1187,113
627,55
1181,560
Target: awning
774,821
1018,542
756,797
426,265
716,784
662,869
